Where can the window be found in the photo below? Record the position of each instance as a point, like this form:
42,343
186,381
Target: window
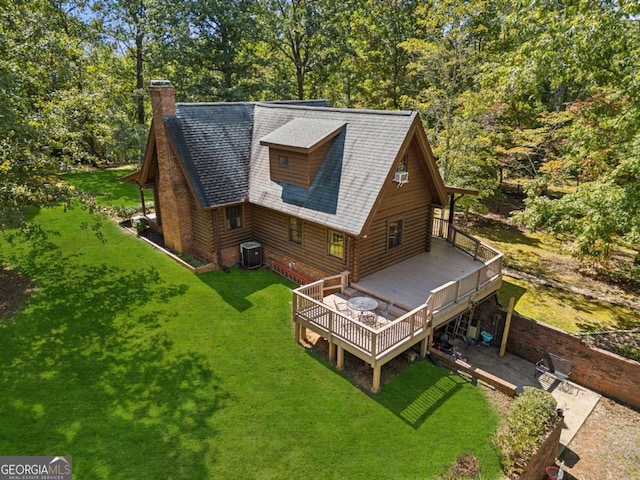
284,161
403,165
234,217
336,244
394,236
295,230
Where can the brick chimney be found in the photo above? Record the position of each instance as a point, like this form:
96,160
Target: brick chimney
173,191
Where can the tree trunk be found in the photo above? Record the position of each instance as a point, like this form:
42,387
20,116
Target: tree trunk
139,74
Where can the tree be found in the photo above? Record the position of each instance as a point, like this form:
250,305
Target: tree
125,25
36,59
599,143
446,57
298,32
208,47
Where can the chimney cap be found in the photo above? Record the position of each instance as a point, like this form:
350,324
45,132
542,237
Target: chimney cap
160,83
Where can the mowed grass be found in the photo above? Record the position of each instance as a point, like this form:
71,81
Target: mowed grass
139,369
567,311
106,187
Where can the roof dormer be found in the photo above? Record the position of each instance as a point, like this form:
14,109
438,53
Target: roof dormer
297,149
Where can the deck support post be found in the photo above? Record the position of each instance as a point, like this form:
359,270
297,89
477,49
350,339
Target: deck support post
297,332
424,346
340,362
332,351
375,384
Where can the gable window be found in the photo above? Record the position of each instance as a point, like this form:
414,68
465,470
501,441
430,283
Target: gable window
394,235
283,161
234,217
336,244
295,230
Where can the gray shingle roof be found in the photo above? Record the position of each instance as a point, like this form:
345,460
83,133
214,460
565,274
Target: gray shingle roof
348,183
303,133
214,143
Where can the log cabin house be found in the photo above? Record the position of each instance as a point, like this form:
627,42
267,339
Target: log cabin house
341,200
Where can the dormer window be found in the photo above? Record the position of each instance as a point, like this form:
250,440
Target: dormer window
297,149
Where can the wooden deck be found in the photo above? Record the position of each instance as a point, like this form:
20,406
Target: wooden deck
431,288
410,283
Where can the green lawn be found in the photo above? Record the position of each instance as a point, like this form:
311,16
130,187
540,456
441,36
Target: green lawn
107,188
140,369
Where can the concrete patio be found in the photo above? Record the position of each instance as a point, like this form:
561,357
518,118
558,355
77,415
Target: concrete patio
576,401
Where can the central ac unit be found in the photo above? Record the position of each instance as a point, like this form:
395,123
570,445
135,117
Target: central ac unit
251,254
401,177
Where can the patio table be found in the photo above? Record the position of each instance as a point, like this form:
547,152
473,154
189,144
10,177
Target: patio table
363,304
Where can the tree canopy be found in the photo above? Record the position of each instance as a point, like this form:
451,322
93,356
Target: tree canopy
540,92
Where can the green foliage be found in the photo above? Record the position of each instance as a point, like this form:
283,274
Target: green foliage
123,349
542,91
529,419
630,351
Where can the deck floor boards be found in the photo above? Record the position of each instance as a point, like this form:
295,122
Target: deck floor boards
409,282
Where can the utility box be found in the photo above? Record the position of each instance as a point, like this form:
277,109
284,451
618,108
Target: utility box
251,255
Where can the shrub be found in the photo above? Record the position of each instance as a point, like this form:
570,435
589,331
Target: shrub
142,225
529,420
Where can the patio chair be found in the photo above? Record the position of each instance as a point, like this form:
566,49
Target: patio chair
369,318
342,308
386,311
559,368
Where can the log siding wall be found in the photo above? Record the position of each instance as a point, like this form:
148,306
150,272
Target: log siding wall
229,240
301,168
410,202
271,229
202,232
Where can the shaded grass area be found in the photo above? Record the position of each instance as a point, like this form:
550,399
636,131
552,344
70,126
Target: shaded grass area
568,311
106,187
542,256
139,369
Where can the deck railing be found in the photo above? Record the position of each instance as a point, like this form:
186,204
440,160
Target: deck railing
373,343
463,241
458,289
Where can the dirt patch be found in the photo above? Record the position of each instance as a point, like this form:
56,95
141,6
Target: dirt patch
625,344
15,289
355,369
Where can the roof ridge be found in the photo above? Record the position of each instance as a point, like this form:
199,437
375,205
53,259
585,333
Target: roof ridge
248,102
210,104
401,113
